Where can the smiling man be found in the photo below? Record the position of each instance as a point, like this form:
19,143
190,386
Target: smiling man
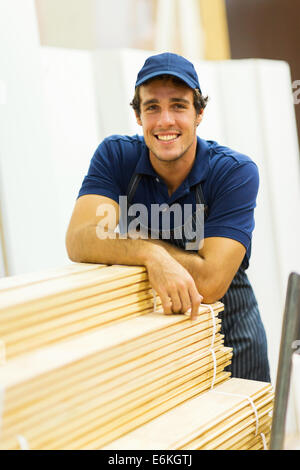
170,166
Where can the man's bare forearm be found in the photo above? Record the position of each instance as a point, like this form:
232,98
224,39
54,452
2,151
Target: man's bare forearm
84,246
173,283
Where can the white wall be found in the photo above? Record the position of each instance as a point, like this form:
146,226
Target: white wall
67,23
73,126
29,201
254,126
48,131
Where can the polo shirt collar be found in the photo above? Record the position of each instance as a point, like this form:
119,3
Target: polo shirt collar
199,170
144,166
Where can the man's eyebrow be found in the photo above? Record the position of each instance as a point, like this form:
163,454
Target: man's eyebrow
152,101
180,100
173,100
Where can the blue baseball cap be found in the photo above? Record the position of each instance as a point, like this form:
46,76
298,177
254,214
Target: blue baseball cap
168,64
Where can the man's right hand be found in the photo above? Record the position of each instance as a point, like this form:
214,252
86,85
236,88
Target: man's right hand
172,282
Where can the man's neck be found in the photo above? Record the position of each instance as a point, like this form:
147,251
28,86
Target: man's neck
174,172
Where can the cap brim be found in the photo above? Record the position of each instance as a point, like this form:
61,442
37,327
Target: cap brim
185,79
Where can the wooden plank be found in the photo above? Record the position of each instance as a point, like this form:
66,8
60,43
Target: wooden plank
77,316
212,407
221,428
195,390
53,357
136,351
55,290
16,322
105,370
89,375
21,280
70,300
87,436
257,443
247,435
226,430
135,415
109,401
61,395
75,329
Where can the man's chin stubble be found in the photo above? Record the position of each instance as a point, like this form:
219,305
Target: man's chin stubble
178,157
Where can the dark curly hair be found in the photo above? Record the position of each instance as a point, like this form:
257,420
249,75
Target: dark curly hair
200,101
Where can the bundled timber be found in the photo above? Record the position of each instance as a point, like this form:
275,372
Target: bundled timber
93,363
235,415
36,310
92,389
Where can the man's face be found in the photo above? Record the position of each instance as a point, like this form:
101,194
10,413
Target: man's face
169,120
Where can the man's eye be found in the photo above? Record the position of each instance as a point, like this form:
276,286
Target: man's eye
151,108
179,106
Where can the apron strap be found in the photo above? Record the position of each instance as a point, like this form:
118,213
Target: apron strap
133,184
200,198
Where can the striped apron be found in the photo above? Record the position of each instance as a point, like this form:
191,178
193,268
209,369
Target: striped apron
241,322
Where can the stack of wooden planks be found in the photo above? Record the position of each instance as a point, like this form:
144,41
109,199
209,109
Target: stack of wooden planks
235,415
91,360
43,308
88,360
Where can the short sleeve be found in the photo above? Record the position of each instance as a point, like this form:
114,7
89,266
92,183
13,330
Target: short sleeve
231,213
102,176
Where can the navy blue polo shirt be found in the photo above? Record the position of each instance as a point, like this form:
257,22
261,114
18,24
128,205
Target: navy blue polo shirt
229,183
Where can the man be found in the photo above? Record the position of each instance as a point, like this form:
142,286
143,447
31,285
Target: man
171,165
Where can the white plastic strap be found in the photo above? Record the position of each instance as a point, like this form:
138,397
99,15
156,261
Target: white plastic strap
2,353
215,368
264,441
246,398
214,324
23,442
154,300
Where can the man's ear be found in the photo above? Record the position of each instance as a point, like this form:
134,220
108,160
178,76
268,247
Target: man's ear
138,118
199,117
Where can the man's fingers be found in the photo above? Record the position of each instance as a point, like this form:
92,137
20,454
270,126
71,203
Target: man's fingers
175,301
166,304
196,300
185,300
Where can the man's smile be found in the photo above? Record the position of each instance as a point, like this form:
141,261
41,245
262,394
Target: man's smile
167,137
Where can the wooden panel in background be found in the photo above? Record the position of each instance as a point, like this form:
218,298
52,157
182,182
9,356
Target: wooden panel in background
214,24
266,29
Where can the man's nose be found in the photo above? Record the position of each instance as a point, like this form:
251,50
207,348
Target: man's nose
166,118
